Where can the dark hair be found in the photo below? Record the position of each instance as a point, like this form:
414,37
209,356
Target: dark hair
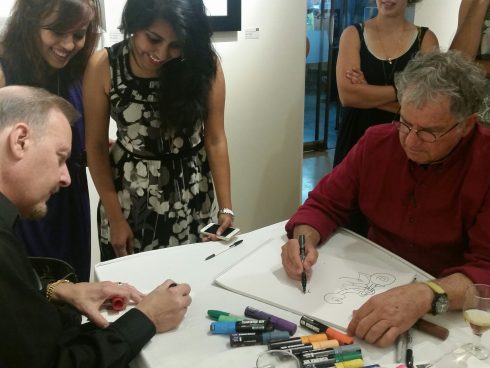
184,83
19,48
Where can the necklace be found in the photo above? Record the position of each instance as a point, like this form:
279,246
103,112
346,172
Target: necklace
398,48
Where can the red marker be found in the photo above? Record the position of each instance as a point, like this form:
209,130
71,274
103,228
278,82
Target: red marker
118,303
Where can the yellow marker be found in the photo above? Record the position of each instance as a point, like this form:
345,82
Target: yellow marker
355,363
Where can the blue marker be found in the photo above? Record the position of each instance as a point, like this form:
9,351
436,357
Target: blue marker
254,338
240,326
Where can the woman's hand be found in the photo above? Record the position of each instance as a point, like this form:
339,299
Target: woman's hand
122,238
356,76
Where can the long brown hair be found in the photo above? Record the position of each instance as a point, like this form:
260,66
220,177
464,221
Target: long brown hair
185,83
21,61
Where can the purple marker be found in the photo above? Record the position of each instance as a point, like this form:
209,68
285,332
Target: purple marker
278,323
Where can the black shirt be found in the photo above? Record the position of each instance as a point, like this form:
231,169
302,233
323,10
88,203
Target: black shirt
37,333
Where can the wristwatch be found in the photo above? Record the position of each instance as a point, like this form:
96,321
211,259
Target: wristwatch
440,303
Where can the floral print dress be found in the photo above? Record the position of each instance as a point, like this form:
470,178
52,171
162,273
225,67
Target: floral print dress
162,179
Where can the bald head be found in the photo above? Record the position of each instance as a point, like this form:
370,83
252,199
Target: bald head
31,105
35,142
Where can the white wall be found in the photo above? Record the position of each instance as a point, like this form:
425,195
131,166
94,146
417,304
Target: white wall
5,6
441,16
264,110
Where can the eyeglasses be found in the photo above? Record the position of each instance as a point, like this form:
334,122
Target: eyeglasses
422,134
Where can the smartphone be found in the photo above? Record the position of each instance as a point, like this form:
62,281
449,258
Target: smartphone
210,229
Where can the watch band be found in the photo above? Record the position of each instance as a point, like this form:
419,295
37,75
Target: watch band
440,303
226,211
435,287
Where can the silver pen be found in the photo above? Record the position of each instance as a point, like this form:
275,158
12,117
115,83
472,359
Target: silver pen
401,347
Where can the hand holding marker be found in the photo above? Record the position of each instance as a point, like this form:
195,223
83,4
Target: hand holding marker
118,303
301,240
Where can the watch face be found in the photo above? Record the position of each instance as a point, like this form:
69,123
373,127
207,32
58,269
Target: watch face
442,304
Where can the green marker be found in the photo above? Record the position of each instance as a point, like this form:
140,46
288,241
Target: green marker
223,316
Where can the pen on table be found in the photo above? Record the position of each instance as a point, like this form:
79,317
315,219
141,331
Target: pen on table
301,240
224,250
401,346
409,355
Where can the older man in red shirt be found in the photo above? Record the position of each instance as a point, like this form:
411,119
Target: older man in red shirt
423,185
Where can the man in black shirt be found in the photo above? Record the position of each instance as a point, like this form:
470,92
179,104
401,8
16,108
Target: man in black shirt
35,141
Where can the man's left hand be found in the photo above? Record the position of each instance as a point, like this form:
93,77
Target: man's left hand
384,316
88,297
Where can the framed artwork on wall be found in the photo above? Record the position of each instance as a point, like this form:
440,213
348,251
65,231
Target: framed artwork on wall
224,15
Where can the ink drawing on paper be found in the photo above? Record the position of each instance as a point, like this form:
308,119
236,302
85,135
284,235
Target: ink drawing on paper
337,286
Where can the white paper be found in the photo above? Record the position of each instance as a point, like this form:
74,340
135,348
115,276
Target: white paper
336,288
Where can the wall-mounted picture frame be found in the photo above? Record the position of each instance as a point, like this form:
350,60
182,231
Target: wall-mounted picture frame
224,15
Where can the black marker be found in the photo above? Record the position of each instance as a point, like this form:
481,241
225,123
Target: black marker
301,240
254,338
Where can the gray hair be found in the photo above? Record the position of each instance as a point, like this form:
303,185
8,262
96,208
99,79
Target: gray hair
429,77
32,105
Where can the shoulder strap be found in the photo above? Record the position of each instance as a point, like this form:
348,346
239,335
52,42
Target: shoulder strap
360,30
421,31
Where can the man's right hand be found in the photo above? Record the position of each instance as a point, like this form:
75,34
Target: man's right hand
291,260
166,305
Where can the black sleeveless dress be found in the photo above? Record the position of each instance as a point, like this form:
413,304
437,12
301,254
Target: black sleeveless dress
355,121
163,179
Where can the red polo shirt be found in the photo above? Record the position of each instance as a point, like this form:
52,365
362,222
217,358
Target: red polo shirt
435,216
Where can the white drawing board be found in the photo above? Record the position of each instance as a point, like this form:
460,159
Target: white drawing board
349,270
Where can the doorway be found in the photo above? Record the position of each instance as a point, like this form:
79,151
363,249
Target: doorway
325,21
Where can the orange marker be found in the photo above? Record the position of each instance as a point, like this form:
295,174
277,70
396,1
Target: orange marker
318,345
298,340
332,333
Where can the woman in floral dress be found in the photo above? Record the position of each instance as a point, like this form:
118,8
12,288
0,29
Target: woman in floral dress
164,87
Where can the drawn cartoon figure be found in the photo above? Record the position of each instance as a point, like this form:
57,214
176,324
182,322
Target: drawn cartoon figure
364,285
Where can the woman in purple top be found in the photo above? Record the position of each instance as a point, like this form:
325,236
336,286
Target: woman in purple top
57,38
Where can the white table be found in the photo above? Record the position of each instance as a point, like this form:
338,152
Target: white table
191,345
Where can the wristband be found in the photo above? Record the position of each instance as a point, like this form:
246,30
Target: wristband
53,285
226,211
